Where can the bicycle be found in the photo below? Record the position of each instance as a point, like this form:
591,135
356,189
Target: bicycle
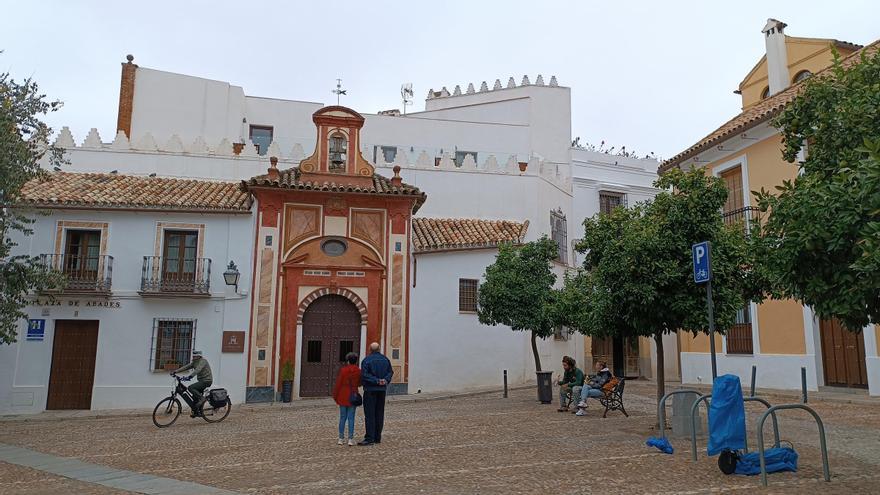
214,410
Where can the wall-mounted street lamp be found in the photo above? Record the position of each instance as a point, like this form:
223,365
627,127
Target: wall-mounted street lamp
230,276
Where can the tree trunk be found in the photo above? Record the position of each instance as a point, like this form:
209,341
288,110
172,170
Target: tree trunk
535,351
661,370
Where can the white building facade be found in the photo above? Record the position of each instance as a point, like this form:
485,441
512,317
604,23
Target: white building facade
483,157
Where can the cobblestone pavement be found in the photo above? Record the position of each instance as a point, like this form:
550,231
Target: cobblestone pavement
479,444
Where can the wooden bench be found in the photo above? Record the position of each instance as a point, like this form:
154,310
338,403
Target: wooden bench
613,399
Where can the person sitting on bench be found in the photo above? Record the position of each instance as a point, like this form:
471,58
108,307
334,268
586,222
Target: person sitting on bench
570,384
593,388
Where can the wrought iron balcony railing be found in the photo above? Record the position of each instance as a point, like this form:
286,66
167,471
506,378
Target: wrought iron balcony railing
748,217
82,273
161,275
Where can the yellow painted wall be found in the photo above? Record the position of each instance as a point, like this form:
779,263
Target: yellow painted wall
877,331
766,167
781,327
803,54
688,343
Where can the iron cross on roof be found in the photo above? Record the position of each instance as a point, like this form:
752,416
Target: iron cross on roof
338,91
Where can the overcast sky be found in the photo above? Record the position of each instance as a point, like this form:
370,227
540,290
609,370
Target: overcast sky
652,75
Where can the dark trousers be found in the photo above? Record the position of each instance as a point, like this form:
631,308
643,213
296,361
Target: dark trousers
196,389
374,414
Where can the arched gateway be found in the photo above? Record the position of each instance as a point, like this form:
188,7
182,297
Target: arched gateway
331,328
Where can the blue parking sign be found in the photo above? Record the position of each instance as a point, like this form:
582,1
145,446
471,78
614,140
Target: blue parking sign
36,329
702,265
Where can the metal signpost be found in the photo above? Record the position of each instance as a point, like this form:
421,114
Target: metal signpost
702,253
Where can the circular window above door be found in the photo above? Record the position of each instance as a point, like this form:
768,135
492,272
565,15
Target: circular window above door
334,247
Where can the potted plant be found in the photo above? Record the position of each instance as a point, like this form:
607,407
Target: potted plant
286,381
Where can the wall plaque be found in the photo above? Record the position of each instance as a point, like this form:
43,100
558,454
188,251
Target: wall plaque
233,341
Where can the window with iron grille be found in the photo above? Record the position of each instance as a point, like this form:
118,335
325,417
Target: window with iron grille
172,343
467,295
559,233
739,337
608,201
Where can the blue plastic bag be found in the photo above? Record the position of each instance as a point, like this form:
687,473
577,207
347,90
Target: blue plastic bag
661,443
777,459
727,416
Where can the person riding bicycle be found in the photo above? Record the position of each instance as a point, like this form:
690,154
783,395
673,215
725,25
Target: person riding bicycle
202,372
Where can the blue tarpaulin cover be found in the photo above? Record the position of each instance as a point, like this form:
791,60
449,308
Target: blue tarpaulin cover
727,416
661,443
775,460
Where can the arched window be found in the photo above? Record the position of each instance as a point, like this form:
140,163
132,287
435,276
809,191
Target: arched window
765,93
800,76
338,149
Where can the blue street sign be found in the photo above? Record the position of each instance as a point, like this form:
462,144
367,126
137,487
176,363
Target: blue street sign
36,329
702,265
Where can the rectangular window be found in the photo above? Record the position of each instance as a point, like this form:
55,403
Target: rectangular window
562,334
734,182
82,252
345,346
459,157
608,201
467,295
173,343
313,354
559,233
739,337
261,136
179,260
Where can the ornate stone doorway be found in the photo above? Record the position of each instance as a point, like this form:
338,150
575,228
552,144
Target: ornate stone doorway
331,328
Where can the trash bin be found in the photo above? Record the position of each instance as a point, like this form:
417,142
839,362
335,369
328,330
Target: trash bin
545,387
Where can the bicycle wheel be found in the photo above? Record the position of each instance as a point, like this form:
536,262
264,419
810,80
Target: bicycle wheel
166,412
213,414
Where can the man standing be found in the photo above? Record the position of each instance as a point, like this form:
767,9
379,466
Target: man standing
204,379
376,374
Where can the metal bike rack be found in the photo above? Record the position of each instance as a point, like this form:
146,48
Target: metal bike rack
772,411
706,398
661,407
750,398
694,408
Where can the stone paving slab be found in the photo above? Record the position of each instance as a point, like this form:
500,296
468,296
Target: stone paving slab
76,469
475,444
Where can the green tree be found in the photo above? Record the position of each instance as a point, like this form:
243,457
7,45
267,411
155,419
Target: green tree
822,234
518,291
637,277
23,138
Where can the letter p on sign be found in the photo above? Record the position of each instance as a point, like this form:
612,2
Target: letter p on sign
702,266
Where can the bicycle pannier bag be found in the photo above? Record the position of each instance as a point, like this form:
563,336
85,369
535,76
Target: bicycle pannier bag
218,397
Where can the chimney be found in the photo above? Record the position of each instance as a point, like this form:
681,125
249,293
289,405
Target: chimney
273,169
396,180
777,58
126,96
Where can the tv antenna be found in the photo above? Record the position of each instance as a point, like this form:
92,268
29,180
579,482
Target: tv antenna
338,91
406,92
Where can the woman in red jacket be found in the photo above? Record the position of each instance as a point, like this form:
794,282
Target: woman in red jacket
347,383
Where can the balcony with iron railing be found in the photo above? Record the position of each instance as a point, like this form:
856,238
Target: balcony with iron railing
748,217
83,274
173,277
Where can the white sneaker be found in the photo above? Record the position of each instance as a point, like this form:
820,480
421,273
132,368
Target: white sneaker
582,404
581,412
341,442
351,442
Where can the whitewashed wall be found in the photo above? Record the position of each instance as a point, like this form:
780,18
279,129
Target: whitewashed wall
123,378
452,351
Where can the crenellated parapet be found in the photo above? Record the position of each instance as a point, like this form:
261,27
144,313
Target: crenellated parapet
449,160
484,87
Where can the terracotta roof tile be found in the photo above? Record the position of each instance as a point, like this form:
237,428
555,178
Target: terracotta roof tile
761,112
291,179
441,234
117,191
